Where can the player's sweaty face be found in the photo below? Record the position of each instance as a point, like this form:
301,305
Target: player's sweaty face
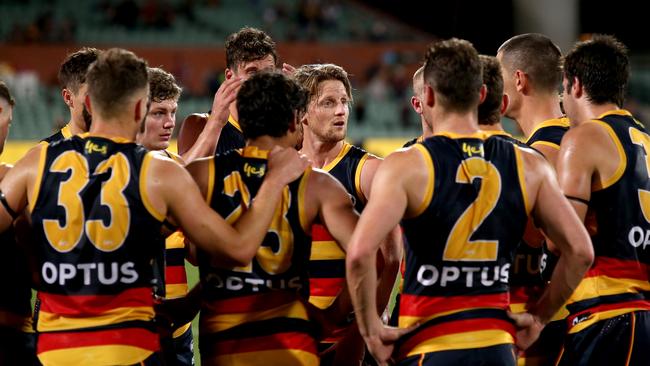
328,114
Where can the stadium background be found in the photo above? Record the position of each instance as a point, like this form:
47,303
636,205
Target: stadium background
381,43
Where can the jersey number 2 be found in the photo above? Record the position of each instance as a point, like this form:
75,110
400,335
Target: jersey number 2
459,247
643,140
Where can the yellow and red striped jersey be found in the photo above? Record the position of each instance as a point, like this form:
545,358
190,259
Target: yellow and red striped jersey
458,255
257,312
96,235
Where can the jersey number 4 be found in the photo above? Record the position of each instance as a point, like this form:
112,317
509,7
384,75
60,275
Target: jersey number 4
459,247
65,237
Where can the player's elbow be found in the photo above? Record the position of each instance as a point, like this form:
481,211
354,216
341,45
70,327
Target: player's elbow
358,257
582,253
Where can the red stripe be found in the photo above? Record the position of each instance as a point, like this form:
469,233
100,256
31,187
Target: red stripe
279,341
320,233
137,337
414,305
523,294
175,275
619,268
454,327
325,286
75,305
252,303
642,304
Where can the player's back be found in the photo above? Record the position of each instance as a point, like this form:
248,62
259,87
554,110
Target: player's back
96,236
255,313
460,246
618,220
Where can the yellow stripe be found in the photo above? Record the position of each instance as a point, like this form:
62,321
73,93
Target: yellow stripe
270,358
48,322
521,308
357,179
302,215
211,322
39,176
407,321
632,331
209,191
561,314
235,124
592,287
95,355
621,153
326,250
546,143
344,150
321,302
602,315
476,135
560,122
430,179
518,308
465,340
143,188
522,179
175,290
618,112
180,331
175,241
65,131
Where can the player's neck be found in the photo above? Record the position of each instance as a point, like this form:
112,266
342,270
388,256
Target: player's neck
320,152
536,110
269,142
112,128
495,127
458,123
589,111
232,108
75,126
426,128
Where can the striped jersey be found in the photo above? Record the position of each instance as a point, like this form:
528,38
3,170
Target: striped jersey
458,254
96,235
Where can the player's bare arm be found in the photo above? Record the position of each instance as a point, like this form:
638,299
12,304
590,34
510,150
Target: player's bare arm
18,185
558,220
206,142
202,225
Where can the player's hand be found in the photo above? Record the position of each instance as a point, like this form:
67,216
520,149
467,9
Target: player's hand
528,328
226,94
286,165
382,345
288,70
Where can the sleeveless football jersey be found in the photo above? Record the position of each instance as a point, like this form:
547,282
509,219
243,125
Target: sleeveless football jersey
255,312
231,137
549,133
63,133
327,259
459,248
96,236
619,223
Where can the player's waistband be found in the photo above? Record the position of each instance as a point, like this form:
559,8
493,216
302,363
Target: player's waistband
605,309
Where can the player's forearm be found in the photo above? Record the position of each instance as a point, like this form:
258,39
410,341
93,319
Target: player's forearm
254,224
361,276
206,143
566,277
391,252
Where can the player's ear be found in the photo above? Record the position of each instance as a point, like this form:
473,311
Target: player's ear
429,95
229,74
67,97
87,103
482,93
521,80
505,101
576,88
138,110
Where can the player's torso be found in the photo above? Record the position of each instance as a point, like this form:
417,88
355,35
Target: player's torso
460,248
327,259
619,223
96,236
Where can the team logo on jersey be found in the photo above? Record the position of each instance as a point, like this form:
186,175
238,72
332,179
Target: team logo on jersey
250,170
92,147
473,150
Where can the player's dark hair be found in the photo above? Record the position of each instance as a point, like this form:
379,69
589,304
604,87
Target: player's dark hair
489,112
72,72
311,76
114,78
602,67
537,56
267,104
248,44
452,68
162,85
6,94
